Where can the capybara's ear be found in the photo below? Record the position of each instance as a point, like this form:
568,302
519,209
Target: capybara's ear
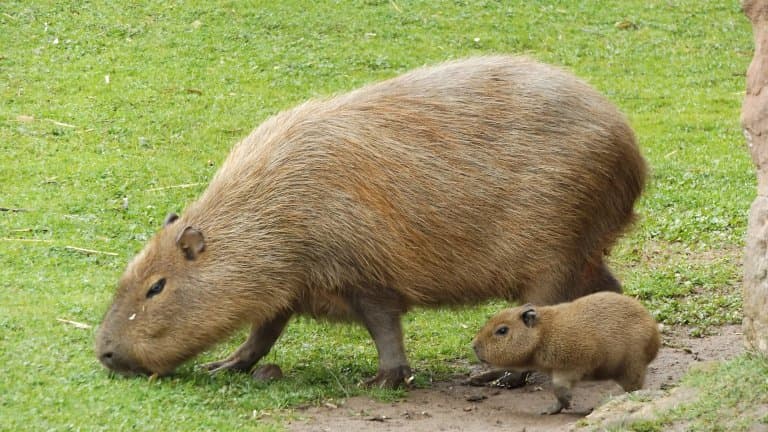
171,218
529,316
191,242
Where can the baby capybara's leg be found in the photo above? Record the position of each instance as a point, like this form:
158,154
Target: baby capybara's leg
257,345
562,383
633,377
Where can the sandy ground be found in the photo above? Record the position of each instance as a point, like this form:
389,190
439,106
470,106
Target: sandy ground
450,406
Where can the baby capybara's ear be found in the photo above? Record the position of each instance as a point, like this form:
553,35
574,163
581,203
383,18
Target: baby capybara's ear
529,316
191,242
171,218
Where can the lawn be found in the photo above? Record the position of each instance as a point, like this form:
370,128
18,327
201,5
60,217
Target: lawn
112,115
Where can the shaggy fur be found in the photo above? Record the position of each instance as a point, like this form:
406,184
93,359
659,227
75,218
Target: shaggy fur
600,336
490,177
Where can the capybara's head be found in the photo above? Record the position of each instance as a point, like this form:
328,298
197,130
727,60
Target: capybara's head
167,307
509,338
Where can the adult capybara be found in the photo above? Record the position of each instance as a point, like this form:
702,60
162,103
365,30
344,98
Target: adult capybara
490,177
600,336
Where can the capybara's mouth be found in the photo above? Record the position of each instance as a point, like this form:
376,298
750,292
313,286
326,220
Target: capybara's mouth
130,372
485,363
116,364
127,373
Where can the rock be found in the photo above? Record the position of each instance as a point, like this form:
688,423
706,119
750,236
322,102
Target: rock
629,408
267,372
754,120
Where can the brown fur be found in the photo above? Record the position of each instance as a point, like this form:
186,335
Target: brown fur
600,336
491,177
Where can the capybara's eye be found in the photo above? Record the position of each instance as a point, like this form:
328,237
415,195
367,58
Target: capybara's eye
501,331
156,288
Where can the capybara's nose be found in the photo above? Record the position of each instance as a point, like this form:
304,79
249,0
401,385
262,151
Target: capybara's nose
120,363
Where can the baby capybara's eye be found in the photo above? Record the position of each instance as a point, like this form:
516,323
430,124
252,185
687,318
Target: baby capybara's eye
501,331
156,288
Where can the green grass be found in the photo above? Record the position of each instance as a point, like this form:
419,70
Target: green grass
187,80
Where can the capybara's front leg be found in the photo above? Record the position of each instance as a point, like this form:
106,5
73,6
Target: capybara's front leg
381,316
258,344
562,384
563,401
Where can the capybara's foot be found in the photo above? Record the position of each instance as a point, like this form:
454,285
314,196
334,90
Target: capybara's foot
391,378
233,363
498,378
563,395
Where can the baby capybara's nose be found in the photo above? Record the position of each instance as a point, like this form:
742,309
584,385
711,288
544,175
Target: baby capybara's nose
476,348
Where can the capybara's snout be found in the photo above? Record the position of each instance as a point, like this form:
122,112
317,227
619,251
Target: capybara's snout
478,349
116,359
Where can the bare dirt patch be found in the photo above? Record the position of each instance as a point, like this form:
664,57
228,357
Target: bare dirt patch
451,406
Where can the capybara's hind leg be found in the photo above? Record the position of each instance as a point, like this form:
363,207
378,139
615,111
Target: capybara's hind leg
597,277
381,317
633,378
257,345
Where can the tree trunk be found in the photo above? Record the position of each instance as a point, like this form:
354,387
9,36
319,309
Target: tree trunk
754,120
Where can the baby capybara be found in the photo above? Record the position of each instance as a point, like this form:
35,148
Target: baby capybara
490,177
597,337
